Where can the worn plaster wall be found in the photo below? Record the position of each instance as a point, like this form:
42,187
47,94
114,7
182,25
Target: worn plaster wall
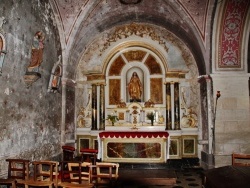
30,118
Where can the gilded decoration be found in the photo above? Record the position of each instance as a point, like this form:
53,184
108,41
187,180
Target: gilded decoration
156,90
95,77
152,65
134,55
121,104
175,75
133,29
114,91
116,67
149,104
121,116
189,118
80,118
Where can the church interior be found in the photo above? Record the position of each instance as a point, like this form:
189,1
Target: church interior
137,81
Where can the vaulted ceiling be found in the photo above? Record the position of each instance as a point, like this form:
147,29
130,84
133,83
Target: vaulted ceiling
81,21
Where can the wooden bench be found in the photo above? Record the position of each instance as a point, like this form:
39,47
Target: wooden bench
239,159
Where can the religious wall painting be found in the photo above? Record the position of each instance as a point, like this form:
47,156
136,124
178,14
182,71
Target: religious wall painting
116,67
134,55
55,77
156,90
2,44
36,52
153,66
114,91
32,73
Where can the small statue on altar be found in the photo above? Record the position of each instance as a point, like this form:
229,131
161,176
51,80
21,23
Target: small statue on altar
149,104
135,88
121,104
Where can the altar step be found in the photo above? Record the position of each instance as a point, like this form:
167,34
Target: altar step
170,164
147,177
179,173
160,178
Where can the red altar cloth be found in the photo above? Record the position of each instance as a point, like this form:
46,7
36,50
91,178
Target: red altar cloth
137,134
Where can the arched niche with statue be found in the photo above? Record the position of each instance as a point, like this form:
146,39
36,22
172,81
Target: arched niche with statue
134,78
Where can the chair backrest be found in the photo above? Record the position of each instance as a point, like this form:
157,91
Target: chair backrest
104,174
239,159
78,172
102,167
68,153
45,171
18,168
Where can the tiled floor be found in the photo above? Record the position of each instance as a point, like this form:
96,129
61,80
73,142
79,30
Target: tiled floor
188,173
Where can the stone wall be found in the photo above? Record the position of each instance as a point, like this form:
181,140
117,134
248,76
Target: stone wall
232,117
30,117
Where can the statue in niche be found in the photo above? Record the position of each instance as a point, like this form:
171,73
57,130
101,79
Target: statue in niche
135,88
32,74
37,52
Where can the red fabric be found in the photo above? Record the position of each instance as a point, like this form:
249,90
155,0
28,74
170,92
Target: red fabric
87,150
133,134
70,148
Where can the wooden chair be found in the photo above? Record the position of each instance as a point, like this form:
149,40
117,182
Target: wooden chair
17,169
45,174
239,159
68,153
106,174
78,173
89,155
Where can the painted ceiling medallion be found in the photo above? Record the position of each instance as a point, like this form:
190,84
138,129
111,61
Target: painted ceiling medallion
127,2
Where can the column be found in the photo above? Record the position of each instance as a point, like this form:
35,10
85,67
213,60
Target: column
94,108
176,107
168,107
63,111
102,108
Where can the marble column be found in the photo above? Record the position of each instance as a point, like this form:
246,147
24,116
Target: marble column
102,108
94,108
168,107
176,107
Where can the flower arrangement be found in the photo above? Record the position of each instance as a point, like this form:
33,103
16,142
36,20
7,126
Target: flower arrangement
151,117
112,118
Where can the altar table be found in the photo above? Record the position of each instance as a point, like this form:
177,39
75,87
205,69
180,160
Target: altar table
133,146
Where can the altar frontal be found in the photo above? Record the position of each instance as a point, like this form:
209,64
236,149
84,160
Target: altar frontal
135,147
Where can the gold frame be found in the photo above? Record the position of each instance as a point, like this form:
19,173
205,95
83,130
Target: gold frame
178,146
189,146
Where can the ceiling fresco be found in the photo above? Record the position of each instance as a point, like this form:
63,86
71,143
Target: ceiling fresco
80,22
69,11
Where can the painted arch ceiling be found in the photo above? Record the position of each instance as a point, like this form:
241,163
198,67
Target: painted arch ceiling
84,22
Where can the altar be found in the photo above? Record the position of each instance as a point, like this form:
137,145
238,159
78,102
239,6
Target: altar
133,146
136,111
